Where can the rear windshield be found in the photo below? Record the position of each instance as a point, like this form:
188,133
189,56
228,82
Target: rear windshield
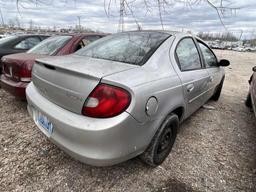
50,45
133,47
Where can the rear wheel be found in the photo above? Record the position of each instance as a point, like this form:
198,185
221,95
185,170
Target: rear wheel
162,142
248,101
217,93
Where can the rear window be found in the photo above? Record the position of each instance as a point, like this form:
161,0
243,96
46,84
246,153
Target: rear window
133,47
50,45
7,39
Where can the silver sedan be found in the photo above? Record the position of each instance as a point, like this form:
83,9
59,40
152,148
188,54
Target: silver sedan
124,95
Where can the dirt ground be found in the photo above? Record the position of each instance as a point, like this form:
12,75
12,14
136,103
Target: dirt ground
214,151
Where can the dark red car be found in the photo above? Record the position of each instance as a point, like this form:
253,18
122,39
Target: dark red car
17,68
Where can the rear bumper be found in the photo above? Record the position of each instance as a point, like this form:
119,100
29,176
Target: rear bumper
18,89
99,142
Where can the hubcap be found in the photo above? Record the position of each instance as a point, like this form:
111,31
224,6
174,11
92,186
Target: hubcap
165,141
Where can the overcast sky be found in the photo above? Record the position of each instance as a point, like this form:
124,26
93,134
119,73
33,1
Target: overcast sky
200,17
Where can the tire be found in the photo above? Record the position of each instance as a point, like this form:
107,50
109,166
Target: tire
218,90
162,142
248,101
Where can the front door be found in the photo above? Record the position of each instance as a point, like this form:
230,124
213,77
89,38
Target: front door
194,77
211,64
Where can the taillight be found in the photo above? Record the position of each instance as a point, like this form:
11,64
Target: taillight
25,75
22,74
106,101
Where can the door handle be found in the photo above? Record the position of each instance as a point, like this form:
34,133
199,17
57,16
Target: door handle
211,79
190,87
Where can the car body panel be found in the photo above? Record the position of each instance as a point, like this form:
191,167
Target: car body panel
156,75
200,80
19,60
50,81
13,87
93,141
159,79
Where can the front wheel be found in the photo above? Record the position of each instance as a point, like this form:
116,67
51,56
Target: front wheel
162,142
248,101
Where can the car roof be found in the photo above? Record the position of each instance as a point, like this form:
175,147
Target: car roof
28,35
79,34
174,33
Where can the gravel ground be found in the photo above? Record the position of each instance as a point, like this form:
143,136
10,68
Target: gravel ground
215,149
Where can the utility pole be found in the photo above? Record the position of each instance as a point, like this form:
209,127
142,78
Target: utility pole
241,34
79,23
2,18
121,19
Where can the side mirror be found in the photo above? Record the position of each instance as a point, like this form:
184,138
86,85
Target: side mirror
254,69
224,63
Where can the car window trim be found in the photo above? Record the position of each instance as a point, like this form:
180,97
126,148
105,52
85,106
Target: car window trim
177,58
200,41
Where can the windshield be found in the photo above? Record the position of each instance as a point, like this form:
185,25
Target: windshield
7,39
133,47
50,45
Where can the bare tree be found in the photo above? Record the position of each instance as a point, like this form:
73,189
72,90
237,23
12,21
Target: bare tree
11,23
222,8
18,22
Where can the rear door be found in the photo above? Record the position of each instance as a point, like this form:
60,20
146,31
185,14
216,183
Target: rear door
211,64
192,73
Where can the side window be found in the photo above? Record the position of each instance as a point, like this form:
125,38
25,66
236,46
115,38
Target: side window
85,41
209,58
28,43
90,39
187,55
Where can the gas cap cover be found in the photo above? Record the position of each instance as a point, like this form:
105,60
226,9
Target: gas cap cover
151,106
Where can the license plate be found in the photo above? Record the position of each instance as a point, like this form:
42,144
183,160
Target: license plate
44,123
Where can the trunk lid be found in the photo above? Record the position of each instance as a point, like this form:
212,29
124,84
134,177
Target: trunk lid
68,80
13,64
